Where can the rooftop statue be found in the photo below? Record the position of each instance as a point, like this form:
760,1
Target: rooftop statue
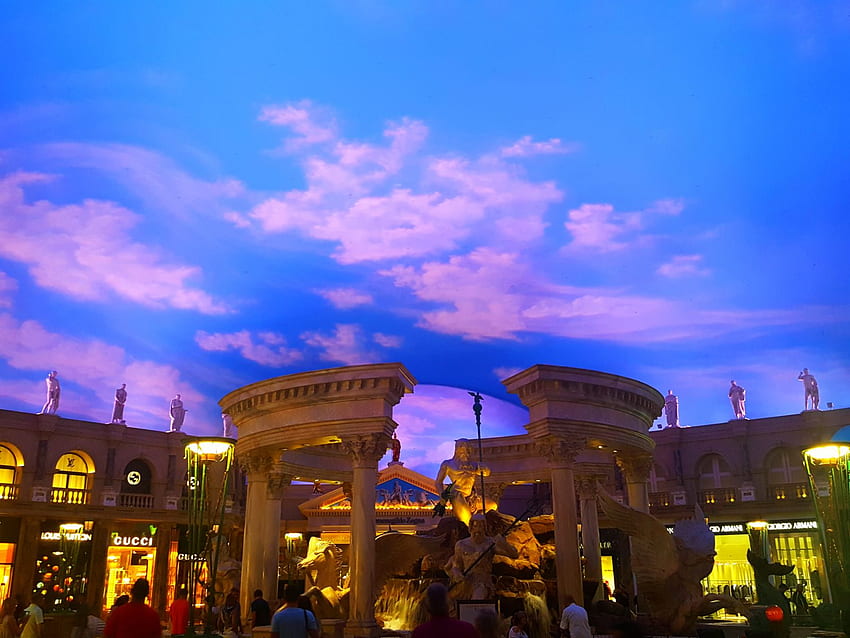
176,414
463,473
810,386
53,391
227,426
738,396
669,567
671,409
395,446
118,407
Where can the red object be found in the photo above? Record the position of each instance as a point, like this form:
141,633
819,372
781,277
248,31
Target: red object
133,620
179,614
774,614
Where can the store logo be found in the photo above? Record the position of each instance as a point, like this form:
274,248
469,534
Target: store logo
132,541
134,477
67,536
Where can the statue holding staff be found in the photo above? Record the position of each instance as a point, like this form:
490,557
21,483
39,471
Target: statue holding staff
810,387
118,407
176,414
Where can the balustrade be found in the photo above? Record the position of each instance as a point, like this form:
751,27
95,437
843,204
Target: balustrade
719,496
69,495
144,501
8,492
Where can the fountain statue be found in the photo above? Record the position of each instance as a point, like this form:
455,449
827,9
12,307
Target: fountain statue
668,567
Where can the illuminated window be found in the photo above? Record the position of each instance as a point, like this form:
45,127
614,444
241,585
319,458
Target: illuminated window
70,480
8,472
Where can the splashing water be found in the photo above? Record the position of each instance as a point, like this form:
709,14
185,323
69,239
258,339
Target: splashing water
539,618
400,606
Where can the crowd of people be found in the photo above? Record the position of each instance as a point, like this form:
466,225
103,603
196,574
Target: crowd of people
131,617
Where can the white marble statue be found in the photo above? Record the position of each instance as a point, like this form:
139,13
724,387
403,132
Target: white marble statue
738,397
118,408
671,409
53,391
810,386
227,425
177,414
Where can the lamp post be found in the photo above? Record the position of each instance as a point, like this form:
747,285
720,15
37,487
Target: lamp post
206,517
828,468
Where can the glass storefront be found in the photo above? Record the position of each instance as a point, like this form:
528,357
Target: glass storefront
62,563
130,556
9,529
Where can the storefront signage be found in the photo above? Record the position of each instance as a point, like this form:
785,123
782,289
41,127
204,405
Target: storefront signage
132,541
195,557
401,520
68,536
776,526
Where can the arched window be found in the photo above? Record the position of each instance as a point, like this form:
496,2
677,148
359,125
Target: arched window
9,464
785,475
70,480
715,480
136,485
659,496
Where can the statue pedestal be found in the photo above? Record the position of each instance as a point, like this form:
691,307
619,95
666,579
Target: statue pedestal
391,463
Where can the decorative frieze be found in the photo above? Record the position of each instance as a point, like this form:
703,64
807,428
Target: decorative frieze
366,449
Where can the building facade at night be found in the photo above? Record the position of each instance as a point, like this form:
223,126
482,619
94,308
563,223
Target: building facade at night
87,508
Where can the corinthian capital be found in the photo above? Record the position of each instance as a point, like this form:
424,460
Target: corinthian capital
366,449
256,463
277,482
587,485
635,468
558,450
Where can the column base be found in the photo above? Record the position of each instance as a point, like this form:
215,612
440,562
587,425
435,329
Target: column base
361,629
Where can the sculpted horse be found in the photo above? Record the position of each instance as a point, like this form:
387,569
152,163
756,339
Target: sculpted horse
322,567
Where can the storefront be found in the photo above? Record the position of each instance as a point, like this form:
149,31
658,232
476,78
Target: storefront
791,542
9,530
130,556
62,563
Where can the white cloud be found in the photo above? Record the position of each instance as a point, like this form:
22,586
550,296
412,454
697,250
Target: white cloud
504,373
346,345
387,341
86,252
345,298
7,287
309,124
527,147
599,228
268,349
95,366
683,266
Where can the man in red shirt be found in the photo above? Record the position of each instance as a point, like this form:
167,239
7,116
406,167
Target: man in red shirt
135,619
178,613
440,625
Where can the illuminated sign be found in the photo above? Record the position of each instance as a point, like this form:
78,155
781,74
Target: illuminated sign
776,526
790,526
196,557
132,541
67,536
134,477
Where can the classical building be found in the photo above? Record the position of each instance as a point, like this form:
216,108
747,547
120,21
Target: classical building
86,508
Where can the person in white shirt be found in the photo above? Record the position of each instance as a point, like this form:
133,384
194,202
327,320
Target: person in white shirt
574,620
34,618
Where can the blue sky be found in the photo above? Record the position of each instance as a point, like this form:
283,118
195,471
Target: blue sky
194,197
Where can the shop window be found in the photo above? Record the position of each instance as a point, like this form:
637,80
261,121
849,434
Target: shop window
70,480
786,478
10,461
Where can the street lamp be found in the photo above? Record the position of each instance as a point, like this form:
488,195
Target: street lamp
206,518
828,468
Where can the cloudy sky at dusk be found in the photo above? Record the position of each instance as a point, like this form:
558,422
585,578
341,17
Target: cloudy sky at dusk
196,196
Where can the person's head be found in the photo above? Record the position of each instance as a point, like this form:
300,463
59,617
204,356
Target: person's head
37,598
177,397
258,593
123,385
519,619
291,593
140,590
8,607
437,599
487,623
569,599
182,593
478,527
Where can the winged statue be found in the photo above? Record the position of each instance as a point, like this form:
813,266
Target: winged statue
669,567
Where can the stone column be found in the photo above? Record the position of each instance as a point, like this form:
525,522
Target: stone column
26,555
560,454
365,452
586,488
159,593
257,467
276,485
98,565
636,472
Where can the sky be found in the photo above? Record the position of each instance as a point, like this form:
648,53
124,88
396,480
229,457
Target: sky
196,196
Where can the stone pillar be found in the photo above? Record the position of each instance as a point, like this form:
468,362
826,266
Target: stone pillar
98,565
26,554
159,594
586,488
275,487
636,472
561,453
257,467
365,452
